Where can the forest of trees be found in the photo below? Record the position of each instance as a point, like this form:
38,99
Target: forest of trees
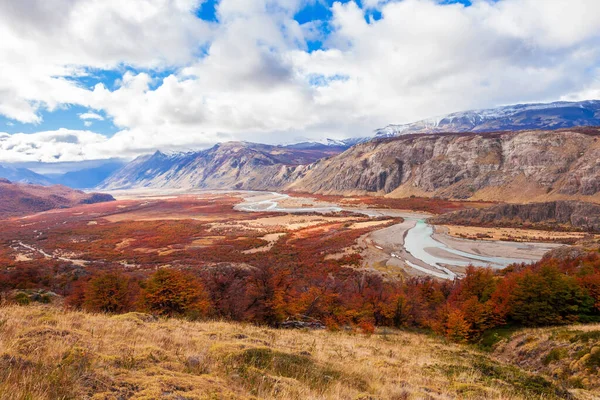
550,292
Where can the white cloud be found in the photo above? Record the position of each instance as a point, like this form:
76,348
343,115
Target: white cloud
257,81
91,115
45,43
52,146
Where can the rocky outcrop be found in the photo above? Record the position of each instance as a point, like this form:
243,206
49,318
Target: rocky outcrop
514,166
557,214
565,253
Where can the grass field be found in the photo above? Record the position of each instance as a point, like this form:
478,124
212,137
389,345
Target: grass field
49,353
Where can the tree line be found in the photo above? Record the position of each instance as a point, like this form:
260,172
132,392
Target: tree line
549,292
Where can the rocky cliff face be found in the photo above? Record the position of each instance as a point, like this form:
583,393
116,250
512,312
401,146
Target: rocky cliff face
556,214
515,166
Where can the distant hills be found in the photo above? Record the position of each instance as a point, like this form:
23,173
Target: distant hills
542,116
20,199
86,177
23,175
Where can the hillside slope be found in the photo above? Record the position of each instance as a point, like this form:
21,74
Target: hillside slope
569,354
512,166
48,353
20,199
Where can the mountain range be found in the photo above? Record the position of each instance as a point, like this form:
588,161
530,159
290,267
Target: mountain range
546,116
231,165
517,152
84,176
510,166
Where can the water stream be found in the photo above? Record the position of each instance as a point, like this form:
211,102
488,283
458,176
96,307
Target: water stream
420,237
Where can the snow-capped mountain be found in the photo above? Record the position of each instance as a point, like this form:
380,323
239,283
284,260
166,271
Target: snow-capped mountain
547,116
328,143
252,166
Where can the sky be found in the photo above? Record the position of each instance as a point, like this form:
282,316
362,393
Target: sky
99,79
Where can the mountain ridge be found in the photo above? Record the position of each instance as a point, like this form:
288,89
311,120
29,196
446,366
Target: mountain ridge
233,165
519,166
546,116
500,166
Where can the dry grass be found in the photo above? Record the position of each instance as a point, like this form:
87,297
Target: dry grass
570,354
48,353
512,234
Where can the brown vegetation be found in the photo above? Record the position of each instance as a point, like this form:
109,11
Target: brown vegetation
198,266
111,267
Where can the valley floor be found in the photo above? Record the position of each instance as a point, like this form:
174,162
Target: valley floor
148,229
49,353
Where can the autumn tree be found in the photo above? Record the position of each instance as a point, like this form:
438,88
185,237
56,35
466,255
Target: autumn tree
591,283
109,292
456,327
171,293
545,296
472,296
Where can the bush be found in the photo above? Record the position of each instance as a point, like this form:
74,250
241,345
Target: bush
555,355
457,329
22,299
366,327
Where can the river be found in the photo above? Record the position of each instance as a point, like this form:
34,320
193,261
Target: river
414,242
